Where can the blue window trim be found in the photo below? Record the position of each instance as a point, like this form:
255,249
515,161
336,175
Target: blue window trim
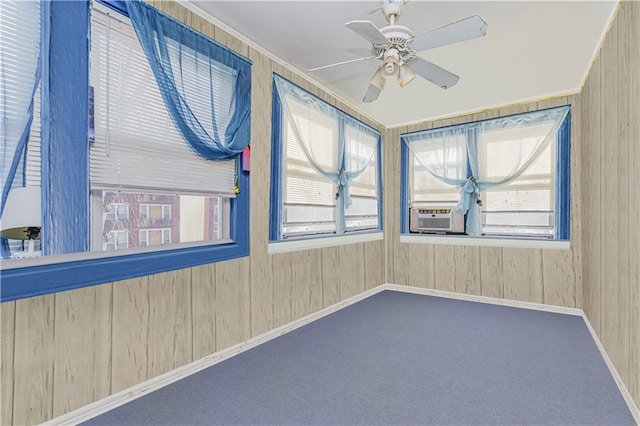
277,161
275,204
381,188
563,174
65,181
404,187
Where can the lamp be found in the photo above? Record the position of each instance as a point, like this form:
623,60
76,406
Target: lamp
405,75
21,219
376,84
390,64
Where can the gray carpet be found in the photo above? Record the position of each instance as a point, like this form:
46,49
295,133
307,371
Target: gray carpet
401,359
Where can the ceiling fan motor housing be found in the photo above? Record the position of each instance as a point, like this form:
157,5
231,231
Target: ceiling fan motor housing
399,46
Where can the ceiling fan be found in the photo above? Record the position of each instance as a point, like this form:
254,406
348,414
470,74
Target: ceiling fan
397,47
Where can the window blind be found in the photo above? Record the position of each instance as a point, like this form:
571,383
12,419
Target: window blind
303,184
136,143
18,30
534,189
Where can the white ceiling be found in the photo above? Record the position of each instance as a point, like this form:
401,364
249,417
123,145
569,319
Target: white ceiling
532,49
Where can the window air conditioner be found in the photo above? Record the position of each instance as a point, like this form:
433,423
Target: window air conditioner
436,220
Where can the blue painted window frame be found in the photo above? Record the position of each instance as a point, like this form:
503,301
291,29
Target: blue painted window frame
563,183
277,161
65,166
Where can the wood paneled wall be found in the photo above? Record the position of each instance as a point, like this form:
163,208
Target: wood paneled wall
65,350
530,275
610,129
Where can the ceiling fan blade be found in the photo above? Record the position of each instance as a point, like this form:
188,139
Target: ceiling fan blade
433,73
368,31
341,63
376,84
465,29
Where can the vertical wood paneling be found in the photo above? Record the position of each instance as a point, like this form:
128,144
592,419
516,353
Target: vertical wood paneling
81,351
351,266
485,270
137,328
609,132
445,275
261,278
300,284
634,200
491,273
33,360
330,276
130,333
170,326
421,266
281,269
467,277
623,208
203,307
7,344
315,280
228,303
373,264
522,269
616,311
244,281
558,278
591,99
391,175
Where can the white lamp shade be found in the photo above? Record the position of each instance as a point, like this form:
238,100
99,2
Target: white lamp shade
405,76
21,211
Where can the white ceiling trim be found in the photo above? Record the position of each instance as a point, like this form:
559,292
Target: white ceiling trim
523,101
194,7
189,4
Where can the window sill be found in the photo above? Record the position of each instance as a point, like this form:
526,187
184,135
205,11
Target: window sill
22,278
454,240
319,242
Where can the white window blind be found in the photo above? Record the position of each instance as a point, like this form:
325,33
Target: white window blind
18,30
136,143
534,190
448,158
302,184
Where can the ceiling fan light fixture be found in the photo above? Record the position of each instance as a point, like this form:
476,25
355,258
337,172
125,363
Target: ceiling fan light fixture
377,80
390,67
376,84
405,75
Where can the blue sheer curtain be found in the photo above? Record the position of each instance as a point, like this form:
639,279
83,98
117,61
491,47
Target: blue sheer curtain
528,136
441,152
355,143
186,64
19,78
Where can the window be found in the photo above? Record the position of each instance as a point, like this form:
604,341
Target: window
116,240
117,211
19,44
510,175
128,162
155,212
314,146
138,158
152,237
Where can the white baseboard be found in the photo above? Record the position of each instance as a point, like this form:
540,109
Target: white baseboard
483,299
623,389
535,306
102,406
